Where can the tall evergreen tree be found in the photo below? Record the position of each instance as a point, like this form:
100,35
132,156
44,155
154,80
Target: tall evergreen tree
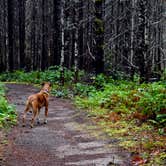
99,37
10,4
22,32
56,32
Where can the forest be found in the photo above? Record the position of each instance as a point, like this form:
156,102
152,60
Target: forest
99,36
106,56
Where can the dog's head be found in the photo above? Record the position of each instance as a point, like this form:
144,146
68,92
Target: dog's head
46,87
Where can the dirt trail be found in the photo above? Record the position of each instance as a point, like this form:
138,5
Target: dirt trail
69,138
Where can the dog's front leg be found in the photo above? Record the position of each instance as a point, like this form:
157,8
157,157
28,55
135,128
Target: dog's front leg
35,114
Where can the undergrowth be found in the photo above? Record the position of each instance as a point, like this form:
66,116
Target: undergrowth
144,102
7,112
133,113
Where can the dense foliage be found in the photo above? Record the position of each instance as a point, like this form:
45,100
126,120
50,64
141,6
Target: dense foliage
124,97
52,74
7,111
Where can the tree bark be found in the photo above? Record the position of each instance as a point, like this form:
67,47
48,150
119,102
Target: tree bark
10,34
22,33
62,77
99,37
56,32
44,59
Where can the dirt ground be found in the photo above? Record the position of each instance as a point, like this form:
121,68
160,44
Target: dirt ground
68,139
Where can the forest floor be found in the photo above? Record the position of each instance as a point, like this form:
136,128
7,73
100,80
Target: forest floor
70,138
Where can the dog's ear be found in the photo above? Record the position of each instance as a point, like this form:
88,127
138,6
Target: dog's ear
50,84
42,84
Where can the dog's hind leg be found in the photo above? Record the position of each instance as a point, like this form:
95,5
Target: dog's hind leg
38,119
35,114
25,113
46,114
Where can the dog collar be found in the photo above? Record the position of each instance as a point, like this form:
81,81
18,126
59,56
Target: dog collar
46,91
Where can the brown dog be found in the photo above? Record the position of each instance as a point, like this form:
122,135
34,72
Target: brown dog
36,102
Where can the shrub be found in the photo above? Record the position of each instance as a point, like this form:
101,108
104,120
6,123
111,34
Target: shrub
147,100
7,112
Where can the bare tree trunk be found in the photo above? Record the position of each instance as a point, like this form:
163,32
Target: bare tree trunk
62,78
44,59
56,32
76,14
81,34
142,41
10,34
99,37
3,36
22,32
132,39
33,37
76,57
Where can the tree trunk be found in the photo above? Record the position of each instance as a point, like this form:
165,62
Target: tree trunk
10,34
44,59
131,60
62,77
56,33
99,37
22,32
76,23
